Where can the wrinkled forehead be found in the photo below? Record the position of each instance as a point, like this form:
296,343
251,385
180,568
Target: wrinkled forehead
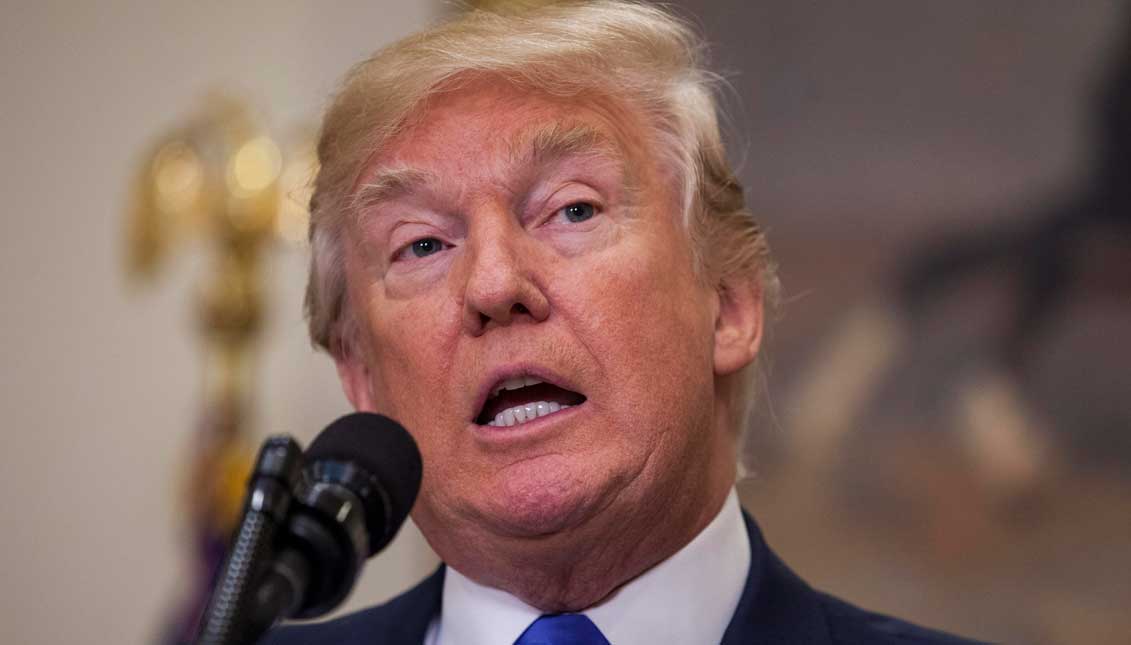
495,126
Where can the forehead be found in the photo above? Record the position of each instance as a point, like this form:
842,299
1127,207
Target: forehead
481,125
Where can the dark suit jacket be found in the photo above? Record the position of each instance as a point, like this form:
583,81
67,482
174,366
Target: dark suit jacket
776,607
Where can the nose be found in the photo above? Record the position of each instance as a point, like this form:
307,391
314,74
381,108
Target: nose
500,287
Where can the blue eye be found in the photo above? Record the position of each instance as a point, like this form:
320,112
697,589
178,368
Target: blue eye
579,212
426,246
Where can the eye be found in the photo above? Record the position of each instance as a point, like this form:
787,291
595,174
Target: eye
421,248
579,212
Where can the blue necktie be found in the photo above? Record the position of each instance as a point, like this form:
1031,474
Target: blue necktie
562,629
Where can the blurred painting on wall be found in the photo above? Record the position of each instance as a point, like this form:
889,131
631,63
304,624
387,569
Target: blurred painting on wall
945,431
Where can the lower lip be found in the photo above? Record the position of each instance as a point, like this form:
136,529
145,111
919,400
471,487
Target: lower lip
521,432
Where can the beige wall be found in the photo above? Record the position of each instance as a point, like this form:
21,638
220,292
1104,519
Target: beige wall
98,384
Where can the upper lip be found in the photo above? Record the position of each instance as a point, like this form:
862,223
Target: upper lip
503,372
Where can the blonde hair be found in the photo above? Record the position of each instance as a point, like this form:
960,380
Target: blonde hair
633,52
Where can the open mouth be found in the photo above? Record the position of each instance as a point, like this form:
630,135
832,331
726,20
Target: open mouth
522,399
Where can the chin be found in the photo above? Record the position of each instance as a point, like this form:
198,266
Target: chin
541,497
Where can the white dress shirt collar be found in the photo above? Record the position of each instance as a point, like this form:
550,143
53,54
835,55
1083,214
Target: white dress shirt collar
688,598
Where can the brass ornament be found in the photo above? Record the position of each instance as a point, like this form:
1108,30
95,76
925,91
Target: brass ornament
222,182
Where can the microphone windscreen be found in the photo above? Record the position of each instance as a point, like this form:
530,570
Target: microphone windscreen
386,451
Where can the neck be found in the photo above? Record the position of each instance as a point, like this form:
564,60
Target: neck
572,571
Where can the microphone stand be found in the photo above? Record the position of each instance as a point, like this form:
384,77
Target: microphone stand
244,603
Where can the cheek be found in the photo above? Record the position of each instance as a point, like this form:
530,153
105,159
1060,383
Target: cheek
411,354
643,314
413,365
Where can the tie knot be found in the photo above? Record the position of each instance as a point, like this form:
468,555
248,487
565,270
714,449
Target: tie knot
562,629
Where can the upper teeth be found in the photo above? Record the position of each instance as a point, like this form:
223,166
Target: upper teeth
515,383
523,413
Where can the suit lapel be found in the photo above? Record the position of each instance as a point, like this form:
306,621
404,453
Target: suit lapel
776,606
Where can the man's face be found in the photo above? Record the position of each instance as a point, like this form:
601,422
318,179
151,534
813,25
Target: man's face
507,238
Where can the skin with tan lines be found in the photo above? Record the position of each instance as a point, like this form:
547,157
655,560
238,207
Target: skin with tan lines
505,234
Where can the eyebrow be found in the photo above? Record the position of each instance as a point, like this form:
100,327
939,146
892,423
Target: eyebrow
390,183
557,141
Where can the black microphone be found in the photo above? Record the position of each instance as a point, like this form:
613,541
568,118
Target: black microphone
358,484
360,480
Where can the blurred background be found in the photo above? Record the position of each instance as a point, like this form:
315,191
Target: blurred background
944,432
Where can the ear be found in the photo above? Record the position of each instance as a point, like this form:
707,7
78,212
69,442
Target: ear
738,325
354,374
